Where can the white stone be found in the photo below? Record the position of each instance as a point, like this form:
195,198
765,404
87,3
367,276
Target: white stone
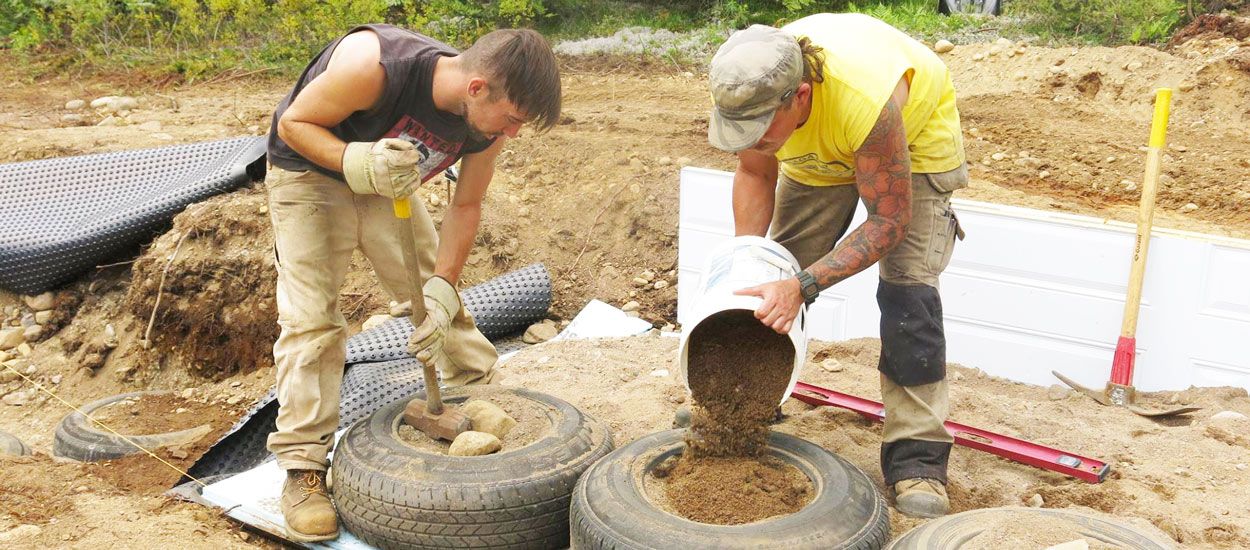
661,284
943,46
1035,501
75,104
42,317
631,305
540,332
11,337
474,444
40,302
832,365
72,118
102,102
1189,207
488,418
998,156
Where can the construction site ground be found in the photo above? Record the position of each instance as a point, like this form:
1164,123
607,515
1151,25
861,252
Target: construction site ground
595,199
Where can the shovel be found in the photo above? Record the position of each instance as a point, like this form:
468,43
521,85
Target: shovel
428,416
1120,391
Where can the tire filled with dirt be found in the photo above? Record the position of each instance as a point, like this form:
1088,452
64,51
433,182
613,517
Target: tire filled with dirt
621,502
81,439
393,492
995,528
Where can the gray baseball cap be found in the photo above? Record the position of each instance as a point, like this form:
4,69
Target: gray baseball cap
751,75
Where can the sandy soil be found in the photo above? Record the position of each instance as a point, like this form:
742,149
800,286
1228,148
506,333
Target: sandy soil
595,200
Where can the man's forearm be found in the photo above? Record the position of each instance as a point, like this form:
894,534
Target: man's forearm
752,204
314,143
455,240
866,245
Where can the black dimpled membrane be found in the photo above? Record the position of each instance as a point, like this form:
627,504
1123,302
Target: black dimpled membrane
61,217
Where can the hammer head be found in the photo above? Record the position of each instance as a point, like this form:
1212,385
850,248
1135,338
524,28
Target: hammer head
447,425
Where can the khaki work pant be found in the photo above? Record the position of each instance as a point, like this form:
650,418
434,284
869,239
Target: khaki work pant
809,221
318,222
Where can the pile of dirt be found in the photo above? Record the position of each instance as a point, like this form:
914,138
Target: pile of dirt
738,371
532,424
1210,26
154,414
1186,477
733,490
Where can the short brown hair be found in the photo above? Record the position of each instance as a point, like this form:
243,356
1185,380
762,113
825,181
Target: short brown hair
522,59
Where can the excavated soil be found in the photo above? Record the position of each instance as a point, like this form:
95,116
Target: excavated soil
733,490
738,372
532,423
154,414
1187,478
595,199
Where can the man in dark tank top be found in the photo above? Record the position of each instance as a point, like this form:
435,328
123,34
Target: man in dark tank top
375,114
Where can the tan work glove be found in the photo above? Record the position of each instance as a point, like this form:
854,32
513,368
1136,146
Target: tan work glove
386,167
442,303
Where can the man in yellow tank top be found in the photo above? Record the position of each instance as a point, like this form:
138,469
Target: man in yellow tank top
826,112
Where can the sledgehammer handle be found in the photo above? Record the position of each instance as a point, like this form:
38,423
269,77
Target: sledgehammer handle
407,232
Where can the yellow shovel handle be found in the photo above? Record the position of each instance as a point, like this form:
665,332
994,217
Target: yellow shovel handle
1159,125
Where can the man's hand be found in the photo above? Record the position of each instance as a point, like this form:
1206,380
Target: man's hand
442,302
782,300
386,167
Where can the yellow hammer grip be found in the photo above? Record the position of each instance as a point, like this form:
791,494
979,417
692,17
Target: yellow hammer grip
403,208
1159,125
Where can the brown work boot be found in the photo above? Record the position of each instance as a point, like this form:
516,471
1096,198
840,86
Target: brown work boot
307,508
921,498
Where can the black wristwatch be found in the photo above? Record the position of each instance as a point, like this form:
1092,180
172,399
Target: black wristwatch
808,287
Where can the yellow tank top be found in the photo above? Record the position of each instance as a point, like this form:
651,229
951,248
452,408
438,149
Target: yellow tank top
864,60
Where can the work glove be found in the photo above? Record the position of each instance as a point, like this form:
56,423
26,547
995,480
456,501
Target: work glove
387,167
442,303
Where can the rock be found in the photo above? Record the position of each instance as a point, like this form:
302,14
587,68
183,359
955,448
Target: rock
681,417
1189,207
647,275
668,327
995,50
1057,393
474,444
488,418
639,281
151,126
17,398
1223,416
1129,185
110,336
32,333
832,365
102,102
11,337
1043,174
31,370
236,384
109,121
80,489
1004,43
73,118
28,319
374,321
664,161
1133,65
1035,501
47,300
42,317
75,105
1021,75
1241,467
998,156
943,46
234,400
659,373
401,310
660,284
180,410
540,332
631,305
978,57
178,453
633,314
56,379
188,393
125,103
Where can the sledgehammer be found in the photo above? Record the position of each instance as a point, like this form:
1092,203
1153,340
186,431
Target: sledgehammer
428,416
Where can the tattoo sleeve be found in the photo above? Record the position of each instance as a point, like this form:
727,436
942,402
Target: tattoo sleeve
883,178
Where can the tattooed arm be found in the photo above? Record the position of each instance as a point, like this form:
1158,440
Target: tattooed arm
883,177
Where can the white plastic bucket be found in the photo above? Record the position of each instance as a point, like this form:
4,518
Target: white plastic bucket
744,262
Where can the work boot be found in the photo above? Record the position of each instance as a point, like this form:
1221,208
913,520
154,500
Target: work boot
307,508
921,498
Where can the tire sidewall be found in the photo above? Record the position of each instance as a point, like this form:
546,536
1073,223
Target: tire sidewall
77,438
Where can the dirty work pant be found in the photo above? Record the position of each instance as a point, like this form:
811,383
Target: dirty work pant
809,221
317,223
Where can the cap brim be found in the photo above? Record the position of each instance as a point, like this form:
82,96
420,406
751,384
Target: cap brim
735,135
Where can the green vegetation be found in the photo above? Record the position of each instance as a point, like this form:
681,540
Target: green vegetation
196,38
